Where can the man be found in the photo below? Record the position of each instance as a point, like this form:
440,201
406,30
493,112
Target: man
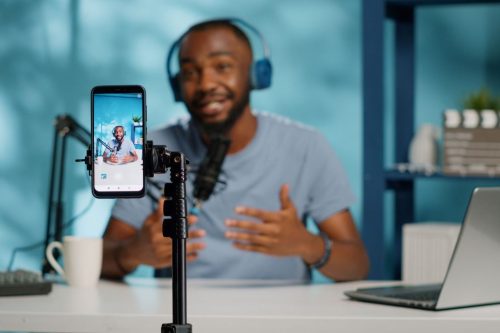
123,149
276,172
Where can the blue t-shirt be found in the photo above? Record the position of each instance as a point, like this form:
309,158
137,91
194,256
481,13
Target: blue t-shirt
281,152
126,148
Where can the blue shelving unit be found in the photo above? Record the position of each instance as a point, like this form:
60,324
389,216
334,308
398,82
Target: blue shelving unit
376,178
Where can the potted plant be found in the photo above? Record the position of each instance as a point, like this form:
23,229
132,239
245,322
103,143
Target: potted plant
480,108
137,120
481,100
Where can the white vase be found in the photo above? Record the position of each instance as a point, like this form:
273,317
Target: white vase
423,148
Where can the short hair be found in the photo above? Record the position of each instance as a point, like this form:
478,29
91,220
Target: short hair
219,23
114,128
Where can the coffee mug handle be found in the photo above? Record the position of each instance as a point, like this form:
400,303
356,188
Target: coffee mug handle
49,252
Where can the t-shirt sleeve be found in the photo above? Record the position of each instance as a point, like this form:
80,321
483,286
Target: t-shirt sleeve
133,211
330,190
131,147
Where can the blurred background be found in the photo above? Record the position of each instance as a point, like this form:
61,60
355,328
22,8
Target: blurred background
53,52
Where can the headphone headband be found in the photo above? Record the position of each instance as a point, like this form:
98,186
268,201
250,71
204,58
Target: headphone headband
261,70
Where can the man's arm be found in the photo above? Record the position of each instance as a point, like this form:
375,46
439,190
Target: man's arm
132,157
113,158
118,259
132,153
125,248
282,233
348,258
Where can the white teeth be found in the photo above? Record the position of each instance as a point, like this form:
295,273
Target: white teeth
216,106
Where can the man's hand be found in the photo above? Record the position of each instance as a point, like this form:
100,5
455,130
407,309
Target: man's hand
278,233
126,159
150,247
113,158
129,158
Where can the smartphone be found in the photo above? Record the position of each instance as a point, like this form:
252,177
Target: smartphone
118,118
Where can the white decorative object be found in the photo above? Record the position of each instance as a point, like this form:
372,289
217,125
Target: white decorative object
471,118
423,149
427,250
489,119
452,118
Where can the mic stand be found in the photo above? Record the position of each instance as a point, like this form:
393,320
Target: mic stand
65,126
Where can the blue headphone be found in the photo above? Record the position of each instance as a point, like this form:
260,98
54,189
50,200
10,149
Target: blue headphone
261,70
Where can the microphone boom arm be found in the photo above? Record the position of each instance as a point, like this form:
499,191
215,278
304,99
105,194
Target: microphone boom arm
64,126
112,150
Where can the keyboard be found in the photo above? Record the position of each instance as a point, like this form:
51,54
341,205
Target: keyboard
424,296
23,282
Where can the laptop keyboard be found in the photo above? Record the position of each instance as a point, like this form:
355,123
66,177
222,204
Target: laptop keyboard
424,296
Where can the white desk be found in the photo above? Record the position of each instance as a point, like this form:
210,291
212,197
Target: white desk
142,305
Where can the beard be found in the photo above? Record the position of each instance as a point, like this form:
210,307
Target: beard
221,128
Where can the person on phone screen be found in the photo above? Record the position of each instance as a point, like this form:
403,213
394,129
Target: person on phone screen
123,149
278,174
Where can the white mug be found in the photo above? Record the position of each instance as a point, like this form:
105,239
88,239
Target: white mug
82,260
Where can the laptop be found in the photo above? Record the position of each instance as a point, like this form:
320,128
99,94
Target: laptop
473,275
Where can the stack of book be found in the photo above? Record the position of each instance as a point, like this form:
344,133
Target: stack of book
471,143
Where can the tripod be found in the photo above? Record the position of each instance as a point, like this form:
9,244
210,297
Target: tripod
175,226
157,159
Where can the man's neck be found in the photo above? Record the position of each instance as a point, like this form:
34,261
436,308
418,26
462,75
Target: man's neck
243,131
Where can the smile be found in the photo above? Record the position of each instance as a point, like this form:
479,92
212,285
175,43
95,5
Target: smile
212,108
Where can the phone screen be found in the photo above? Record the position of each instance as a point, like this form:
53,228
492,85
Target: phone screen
118,138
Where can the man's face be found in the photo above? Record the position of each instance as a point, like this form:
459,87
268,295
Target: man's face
214,75
119,133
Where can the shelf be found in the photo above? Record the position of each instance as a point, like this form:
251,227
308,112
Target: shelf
395,175
377,179
401,10
415,3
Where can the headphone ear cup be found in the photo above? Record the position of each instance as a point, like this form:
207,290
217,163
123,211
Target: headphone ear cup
176,87
261,74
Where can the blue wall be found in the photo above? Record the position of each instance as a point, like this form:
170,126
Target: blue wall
456,55
53,52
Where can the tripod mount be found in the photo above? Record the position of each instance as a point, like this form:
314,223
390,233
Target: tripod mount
157,159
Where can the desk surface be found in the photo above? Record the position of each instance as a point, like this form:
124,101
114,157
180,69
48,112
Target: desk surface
142,305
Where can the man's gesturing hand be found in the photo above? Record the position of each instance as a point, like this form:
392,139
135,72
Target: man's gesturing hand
278,233
152,248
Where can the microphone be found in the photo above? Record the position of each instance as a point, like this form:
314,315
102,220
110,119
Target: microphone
112,150
209,170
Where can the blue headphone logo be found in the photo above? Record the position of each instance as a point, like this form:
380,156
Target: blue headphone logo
261,70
